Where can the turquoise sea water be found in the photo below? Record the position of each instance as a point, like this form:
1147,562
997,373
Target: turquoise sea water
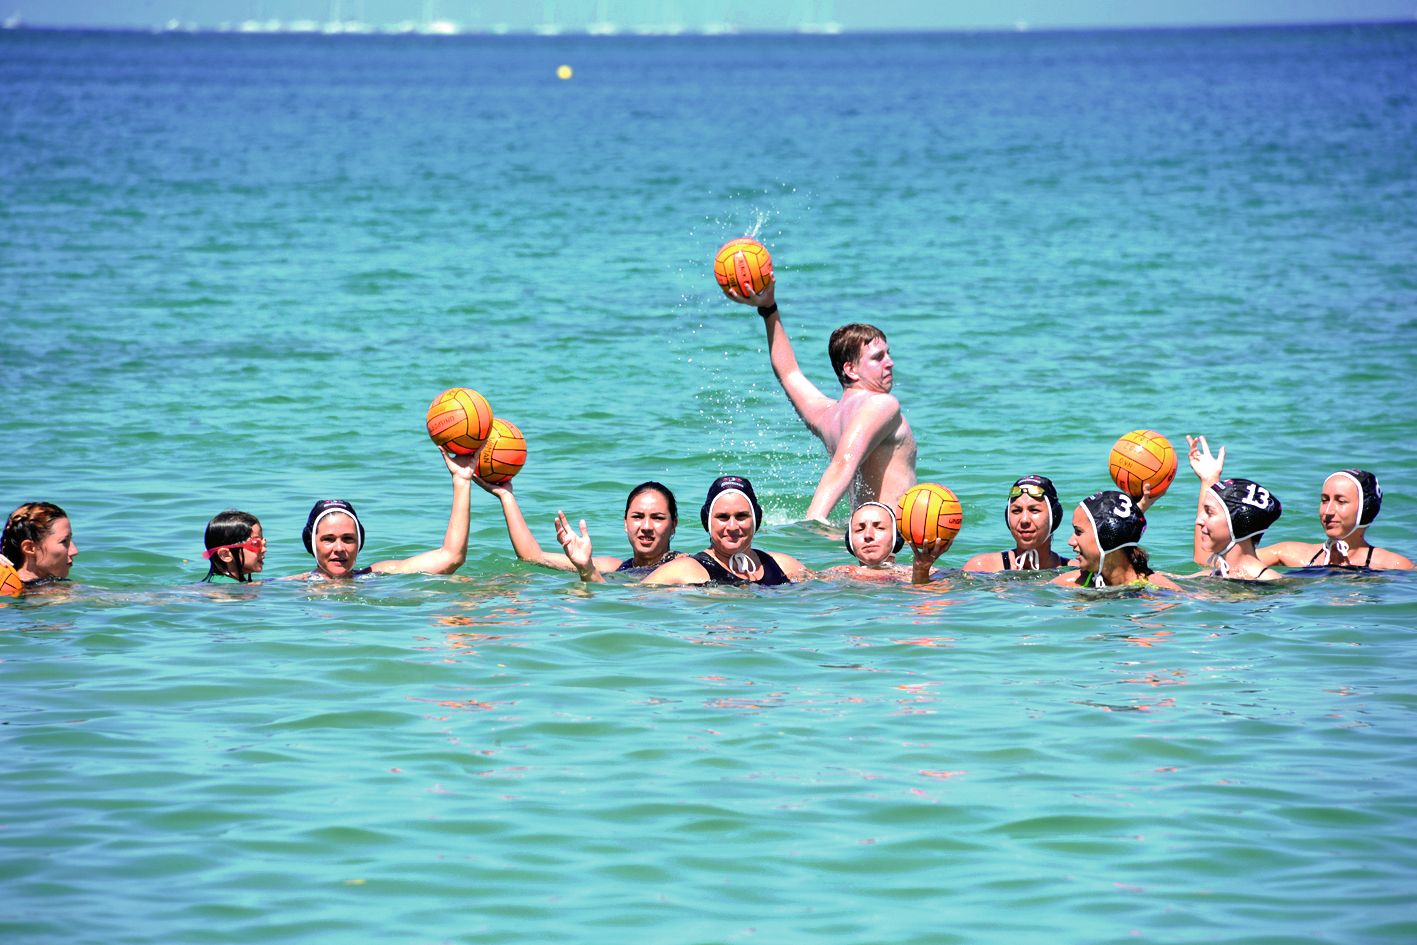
234,270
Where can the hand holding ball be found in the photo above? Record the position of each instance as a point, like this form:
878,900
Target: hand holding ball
459,420
743,266
503,455
928,512
1143,457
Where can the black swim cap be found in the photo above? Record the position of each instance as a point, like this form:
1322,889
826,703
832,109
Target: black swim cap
731,484
895,527
329,507
1370,495
1115,519
1055,508
1250,508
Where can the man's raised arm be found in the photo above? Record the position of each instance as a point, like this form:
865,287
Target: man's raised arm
807,400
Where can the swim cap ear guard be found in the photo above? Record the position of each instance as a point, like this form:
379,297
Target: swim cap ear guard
329,507
731,484
1250,509
1117,523
1050,492
895,527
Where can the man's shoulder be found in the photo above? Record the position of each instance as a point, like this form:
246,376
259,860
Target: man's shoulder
875,402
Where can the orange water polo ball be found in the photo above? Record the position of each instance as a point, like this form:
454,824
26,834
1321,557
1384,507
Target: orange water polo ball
744,266
10,583
1143,457
460,419
503,455
928,512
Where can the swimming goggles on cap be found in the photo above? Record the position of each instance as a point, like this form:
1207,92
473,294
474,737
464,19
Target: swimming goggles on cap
253,545
1029,489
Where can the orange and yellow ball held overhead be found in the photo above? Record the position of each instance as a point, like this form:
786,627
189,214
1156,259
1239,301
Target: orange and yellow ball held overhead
503,455
744,266
10,583
928,512
459,420
1142,457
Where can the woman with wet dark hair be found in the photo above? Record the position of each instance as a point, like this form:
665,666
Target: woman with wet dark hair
38,543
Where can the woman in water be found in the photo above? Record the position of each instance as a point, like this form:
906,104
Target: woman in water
1350,501
1033,514
731,515
1107,527
334,534
651,517
1231,516
236,547
38,542
873,536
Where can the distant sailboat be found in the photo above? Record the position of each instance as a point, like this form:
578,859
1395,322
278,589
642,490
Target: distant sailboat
548,25
433,26
339,23
720,26
818,19
667,23
602,25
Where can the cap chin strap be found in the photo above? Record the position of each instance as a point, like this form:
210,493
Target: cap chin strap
1338,545
1098,580
1219,567
1029,559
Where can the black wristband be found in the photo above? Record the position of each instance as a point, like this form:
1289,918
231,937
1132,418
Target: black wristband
766,310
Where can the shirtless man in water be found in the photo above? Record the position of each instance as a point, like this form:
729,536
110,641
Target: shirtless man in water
871,446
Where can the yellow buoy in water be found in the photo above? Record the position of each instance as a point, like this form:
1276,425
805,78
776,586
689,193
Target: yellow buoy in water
564,72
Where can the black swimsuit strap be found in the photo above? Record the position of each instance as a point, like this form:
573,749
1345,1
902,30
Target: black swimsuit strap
1367,562
629,566
1005,556
718,574
773,574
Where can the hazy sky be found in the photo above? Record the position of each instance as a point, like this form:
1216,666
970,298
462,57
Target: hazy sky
749,14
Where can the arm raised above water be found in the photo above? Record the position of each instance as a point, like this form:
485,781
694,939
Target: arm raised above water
523,542
1208,470
578,549
806,398
449,556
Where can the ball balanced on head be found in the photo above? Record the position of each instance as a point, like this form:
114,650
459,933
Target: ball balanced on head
743,266
929,512
1143,458
460,420
503,455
